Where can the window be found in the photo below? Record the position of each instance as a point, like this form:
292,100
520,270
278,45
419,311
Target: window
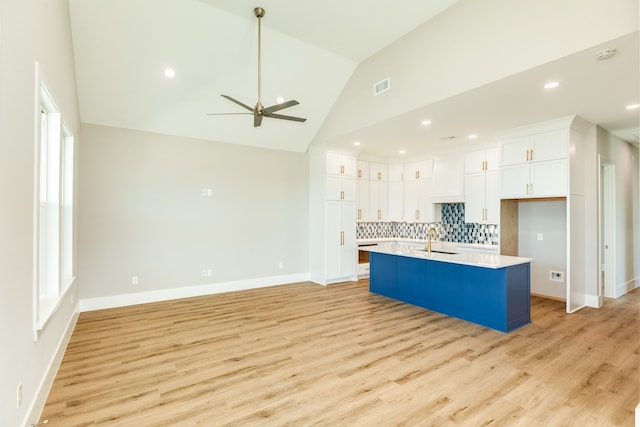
54,234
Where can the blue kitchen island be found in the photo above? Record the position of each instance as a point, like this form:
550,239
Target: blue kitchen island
487,289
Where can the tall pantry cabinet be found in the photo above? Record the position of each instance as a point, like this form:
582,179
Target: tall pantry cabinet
332,192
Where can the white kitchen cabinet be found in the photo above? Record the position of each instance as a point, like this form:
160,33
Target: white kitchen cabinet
417,201
395,193
481,199
378,171
550,145
340,231
481,161
481,188
332,215
448,180
340,164
362,198
534,166
341,187
362,169
422,169
378,200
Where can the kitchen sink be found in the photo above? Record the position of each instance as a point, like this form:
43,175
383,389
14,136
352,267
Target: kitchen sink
439,252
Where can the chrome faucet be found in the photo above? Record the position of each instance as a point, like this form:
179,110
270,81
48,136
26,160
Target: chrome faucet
430,232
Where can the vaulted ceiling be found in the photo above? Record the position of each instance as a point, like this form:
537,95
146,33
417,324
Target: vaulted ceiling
328,56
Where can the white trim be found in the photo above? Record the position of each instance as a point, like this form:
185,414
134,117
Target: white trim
42,392
593,301
123,300
623,288
638,415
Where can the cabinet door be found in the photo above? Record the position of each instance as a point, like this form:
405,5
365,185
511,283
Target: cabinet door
362,205
514,151
333,239
549,179
410,205
395,172
492,197
378,204
340,240
424,169
549,145
474,162
339,164
348,247
378,171
491,159
514,181
363,170
396,194
474,197
341,188
425,209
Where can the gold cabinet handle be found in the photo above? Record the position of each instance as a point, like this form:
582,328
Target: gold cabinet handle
359,213
417,174
359,173
379,175
417,213
531,157
341,195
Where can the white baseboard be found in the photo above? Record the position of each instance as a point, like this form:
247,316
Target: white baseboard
122,300
592,301
623,288
37,405
638,415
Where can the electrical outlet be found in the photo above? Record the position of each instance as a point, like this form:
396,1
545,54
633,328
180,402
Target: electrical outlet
134,280
204,273
280,265
556,276
19,395
209,272
540,236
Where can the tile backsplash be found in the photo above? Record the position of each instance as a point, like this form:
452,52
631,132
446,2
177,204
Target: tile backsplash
452,228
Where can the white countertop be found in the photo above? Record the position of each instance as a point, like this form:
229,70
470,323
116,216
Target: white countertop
449,246
477,259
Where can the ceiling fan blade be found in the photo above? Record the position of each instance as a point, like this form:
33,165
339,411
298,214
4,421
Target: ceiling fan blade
257,120
228,114
282,106
281,116
237,102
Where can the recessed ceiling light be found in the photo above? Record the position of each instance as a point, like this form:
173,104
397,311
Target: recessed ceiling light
279,100
425,122
633,106
356,143
402,152
473,136
551,85
169,73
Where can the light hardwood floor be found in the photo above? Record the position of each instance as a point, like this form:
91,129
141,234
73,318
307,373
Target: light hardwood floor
305,354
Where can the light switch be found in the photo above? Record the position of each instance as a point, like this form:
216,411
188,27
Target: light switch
539,236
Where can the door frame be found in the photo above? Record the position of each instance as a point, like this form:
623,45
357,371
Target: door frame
606,229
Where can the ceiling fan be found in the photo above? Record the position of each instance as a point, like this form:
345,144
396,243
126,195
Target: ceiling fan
259,111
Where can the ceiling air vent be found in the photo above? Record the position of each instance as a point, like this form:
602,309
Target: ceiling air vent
382,86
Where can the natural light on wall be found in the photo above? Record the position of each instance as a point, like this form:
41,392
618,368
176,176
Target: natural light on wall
54,212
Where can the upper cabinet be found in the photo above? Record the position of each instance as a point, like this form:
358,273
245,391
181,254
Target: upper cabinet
339,164
481,196
422,169
534,165
395,192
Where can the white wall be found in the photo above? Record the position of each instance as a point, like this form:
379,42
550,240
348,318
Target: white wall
31,30
548,218
143,214
440,58
625,158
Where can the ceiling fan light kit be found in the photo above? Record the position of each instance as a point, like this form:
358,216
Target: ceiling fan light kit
259,111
